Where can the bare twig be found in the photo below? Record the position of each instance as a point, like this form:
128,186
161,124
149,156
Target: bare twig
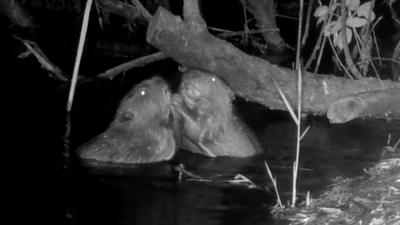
376,47
287,17
320,55
79,54
299,96
142,10
287,104
318,44
300,25
367,26
99,17
304,133
34,49
363,45
396,52
221,30
395,15
381,59
307,28
299,135
246,32
374,68
347,55
338,59
141,61
273,180
296,118
131,12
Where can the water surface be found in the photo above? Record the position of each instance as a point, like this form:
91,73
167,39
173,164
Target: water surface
159,194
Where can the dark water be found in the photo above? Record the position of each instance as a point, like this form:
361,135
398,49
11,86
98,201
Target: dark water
157,194
51,186
56,188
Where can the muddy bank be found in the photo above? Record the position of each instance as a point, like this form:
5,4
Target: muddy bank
373,198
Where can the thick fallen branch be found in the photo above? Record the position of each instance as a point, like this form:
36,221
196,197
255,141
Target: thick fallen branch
367,104
190,44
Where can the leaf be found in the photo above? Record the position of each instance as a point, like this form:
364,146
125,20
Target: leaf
356,22
336,26
372,16
332,27
353,4
337,38
333,6
364,11
321,19
349,35
321,11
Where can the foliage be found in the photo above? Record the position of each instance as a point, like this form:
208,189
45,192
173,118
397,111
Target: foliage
357,17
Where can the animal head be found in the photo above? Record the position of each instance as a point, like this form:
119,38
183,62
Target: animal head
205,91
146,102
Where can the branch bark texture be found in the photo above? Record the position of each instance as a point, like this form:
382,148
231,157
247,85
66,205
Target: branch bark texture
251,77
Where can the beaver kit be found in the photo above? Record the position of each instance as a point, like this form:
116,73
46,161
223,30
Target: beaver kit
151,123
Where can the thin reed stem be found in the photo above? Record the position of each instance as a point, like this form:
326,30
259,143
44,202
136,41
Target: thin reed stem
79,54
299,91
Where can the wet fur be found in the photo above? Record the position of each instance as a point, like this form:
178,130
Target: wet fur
204,103
141,131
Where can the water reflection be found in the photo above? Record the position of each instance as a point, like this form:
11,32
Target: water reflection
154,194
129,197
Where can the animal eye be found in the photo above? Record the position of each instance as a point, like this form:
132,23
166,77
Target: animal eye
137,91
126,117
142,92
